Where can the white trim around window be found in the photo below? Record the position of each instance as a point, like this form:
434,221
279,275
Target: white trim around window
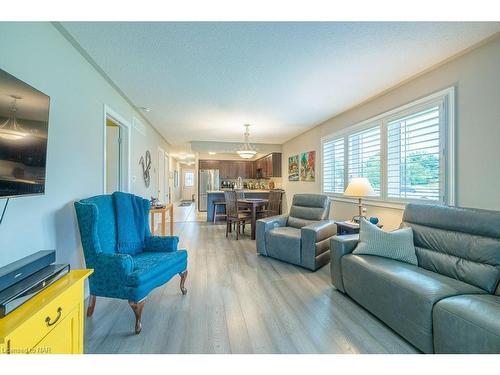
424,126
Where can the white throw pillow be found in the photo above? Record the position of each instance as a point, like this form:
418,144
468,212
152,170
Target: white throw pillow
397,245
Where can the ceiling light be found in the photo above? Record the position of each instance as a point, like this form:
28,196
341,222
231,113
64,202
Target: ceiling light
211,153
11,129
246,151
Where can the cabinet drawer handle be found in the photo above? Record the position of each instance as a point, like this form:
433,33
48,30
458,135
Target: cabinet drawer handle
47,319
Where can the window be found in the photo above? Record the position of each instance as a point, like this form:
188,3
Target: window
407,154
333,166
413,156
189,179
364,156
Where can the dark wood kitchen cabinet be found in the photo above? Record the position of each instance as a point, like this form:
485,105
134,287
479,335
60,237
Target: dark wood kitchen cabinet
265,167
269,166
208,164
230,169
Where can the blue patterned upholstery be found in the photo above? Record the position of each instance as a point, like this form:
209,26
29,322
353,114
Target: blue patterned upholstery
124,276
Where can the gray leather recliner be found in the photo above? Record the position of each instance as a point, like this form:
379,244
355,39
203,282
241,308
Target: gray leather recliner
302,237
450,302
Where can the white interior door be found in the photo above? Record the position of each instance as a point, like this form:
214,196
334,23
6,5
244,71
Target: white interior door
161,176
187,184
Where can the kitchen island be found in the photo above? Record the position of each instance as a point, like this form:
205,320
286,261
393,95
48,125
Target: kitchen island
218,195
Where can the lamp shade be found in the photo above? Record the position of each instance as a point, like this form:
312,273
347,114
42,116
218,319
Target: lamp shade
359,187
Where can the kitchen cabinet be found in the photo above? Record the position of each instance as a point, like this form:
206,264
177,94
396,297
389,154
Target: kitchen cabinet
265,167
269,166
230,169
209,164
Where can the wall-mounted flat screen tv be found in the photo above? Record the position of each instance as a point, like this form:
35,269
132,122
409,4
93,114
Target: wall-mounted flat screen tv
24,125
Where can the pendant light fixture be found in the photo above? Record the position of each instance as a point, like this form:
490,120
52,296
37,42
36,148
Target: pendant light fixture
246,151
11,129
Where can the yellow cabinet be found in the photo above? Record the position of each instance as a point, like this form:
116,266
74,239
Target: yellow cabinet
49,323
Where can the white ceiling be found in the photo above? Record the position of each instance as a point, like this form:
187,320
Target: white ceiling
203,81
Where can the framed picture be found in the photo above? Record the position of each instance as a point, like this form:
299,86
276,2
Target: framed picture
307,166
293,168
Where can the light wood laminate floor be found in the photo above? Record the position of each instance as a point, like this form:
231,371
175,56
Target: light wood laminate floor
240,302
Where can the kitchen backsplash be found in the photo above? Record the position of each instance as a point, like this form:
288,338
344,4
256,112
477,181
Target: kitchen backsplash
253,184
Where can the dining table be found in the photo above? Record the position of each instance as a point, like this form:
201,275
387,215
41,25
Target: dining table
253,204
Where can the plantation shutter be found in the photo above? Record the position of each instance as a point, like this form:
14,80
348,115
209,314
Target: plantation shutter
364,156
413,156
333,166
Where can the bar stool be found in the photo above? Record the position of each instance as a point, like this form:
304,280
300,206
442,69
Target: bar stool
216,215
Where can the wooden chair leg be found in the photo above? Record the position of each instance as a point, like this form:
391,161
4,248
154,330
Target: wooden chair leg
91,306
227,228
183,276
137,308
237,230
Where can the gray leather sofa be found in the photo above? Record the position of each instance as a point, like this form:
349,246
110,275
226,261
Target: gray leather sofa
302,237
450,302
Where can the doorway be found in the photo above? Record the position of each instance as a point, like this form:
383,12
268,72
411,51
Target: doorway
116,153
187,184
163,170
113,140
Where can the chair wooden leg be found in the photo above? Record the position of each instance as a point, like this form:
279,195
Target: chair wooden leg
183,276
137,308
91,306
227,228
237,230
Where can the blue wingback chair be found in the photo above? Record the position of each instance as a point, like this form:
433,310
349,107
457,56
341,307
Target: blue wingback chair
124,276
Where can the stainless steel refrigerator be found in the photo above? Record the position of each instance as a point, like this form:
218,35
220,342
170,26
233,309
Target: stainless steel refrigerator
209,181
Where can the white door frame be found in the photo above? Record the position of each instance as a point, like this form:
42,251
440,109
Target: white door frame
159,173
124,147
167,177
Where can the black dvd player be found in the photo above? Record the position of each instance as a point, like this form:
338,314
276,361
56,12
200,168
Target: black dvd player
22,268
14,296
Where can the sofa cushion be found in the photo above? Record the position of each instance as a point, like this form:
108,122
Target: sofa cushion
400,294
149,265
397,245
284,243
307,209
460,243
297,222
467,324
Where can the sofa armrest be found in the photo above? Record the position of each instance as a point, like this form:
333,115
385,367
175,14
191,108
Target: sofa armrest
314,242
319,231
340,246
161,244
265,225
115,267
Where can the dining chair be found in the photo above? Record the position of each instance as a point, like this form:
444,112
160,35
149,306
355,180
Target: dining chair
273,206
234,215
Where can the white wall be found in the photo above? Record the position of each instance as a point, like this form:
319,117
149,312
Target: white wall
476,77
39,55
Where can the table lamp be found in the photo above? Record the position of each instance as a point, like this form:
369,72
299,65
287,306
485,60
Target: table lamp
359,187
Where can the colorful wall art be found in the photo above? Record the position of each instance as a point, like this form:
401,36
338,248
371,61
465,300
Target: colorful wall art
293,168
307,166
